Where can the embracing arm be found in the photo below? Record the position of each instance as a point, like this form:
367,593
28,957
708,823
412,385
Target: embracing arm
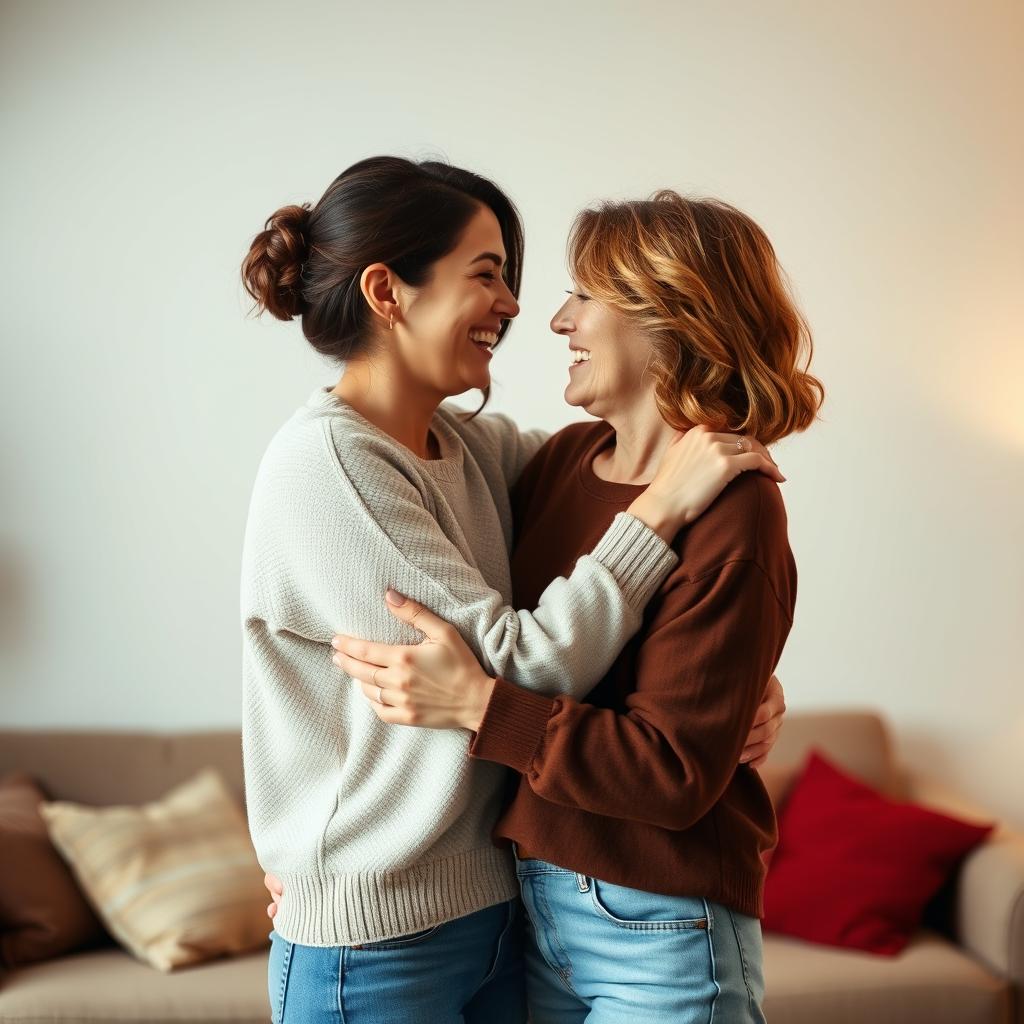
377,513
700,675
601,600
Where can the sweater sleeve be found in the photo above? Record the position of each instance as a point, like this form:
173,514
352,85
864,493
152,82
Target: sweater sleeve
344,544
700,675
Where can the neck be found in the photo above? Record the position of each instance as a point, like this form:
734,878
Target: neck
381,393
641,437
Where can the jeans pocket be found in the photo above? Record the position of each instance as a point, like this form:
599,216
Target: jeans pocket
278,968
402,941
638,910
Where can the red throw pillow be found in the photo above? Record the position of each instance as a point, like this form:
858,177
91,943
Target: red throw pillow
854,868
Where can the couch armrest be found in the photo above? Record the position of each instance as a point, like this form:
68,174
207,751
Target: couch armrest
989,906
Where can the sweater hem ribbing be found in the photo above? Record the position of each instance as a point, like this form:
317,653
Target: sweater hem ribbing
348,910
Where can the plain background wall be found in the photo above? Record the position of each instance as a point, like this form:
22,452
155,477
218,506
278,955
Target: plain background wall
878,143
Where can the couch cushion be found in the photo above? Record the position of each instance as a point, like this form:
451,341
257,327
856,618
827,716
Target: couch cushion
42,911
109,985
103,768
930,982
854,868
856,741
176,881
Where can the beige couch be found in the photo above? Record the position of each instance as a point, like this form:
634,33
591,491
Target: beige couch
973,977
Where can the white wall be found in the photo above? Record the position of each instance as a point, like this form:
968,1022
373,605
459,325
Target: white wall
878,143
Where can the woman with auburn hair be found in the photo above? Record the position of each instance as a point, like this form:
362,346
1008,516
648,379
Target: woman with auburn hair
639,842
397,905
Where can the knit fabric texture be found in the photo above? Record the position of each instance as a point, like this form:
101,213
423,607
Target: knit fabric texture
378,831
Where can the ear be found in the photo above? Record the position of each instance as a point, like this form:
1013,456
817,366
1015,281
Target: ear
379,285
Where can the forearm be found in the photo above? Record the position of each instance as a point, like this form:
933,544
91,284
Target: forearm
582,621
564,645
589,758
682,729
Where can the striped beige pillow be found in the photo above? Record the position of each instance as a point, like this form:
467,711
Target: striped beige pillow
175,881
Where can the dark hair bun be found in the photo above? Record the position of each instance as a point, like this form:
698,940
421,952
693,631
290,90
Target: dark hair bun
272,269
308,263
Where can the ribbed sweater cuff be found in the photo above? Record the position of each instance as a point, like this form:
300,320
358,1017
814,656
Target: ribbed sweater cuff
513,726
636,556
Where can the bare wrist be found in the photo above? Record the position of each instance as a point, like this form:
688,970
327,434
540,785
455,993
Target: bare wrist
665,522
477,707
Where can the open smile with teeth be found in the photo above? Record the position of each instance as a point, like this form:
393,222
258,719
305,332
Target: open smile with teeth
579,355
484,339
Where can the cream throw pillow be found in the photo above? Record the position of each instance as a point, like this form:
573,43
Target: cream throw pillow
176,881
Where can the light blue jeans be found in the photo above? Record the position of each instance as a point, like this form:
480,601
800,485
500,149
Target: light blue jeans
606,954
468,971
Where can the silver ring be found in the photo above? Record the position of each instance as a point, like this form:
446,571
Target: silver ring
380,695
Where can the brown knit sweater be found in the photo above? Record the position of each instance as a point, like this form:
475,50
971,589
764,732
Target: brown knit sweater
641,785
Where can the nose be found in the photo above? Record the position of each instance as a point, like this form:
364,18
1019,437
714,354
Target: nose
562,322
506,305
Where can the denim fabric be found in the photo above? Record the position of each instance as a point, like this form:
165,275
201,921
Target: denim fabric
468,971
607,954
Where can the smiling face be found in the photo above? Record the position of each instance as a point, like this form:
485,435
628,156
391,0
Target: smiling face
450,324
608,357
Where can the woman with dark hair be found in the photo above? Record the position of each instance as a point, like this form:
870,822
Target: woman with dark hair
397,905
639,842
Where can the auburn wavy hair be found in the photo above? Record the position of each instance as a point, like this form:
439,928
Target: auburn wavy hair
701,279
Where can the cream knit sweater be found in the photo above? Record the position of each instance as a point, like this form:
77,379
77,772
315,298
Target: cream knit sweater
379,831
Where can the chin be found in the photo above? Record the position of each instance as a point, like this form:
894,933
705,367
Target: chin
474,385
574,398
588,405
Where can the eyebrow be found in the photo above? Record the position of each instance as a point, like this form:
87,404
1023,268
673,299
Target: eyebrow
492,256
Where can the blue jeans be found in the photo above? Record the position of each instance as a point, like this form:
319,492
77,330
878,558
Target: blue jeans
606,954
468,971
